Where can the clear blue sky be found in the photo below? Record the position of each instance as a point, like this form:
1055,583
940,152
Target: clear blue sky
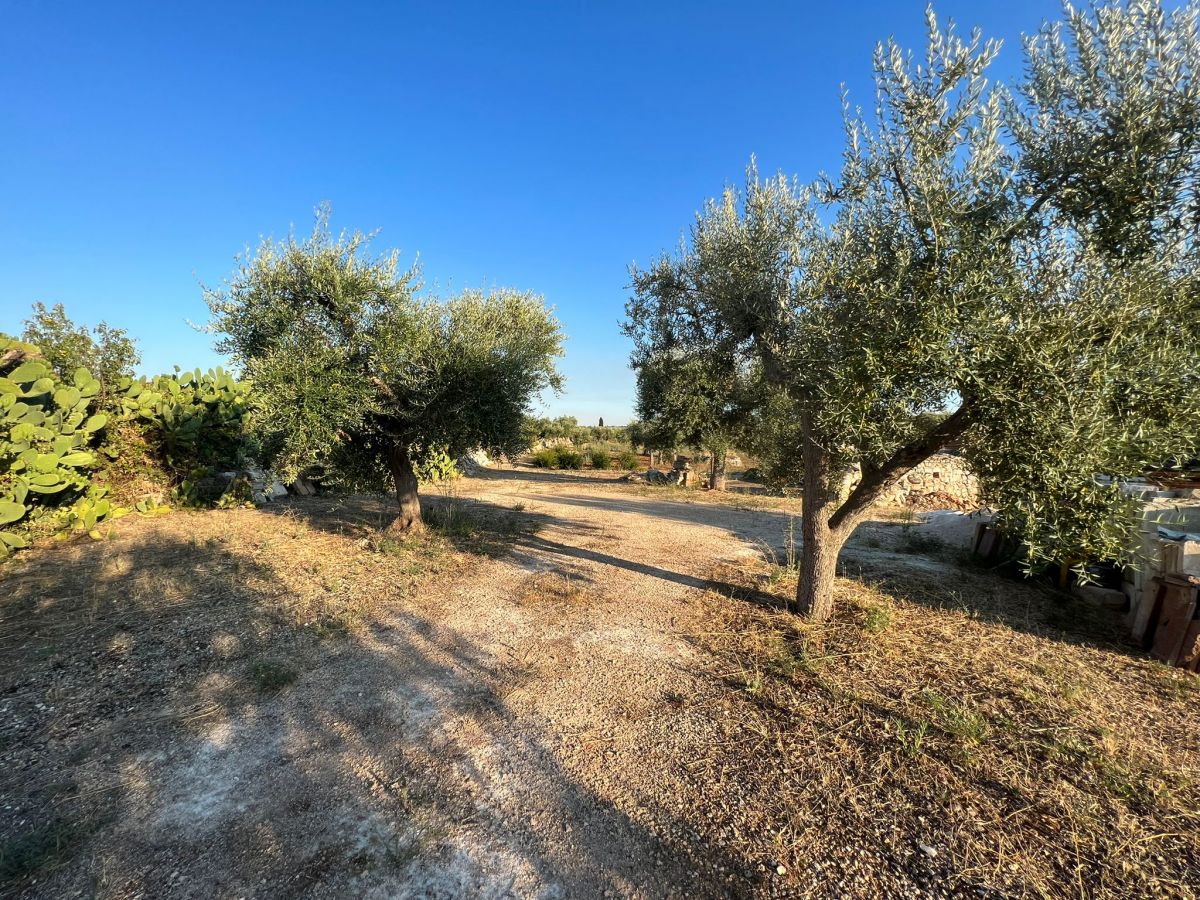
544,146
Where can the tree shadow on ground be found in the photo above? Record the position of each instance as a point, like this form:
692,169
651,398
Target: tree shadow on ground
939,576
759,526
543,476
180,719
953,580
541,545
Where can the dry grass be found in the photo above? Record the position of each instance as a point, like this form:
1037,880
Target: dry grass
110,648
961,734
550,587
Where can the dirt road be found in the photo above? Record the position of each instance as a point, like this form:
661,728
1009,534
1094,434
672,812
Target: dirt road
534,727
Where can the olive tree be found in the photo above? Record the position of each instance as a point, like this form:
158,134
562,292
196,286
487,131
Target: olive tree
354,370
687,398
1022,260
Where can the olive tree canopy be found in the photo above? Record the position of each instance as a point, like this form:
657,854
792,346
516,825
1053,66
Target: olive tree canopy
688,397
357,372
1024,260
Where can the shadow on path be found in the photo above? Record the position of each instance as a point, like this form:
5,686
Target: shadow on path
543,545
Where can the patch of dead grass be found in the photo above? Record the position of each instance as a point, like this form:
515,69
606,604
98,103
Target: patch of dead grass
176,623
959,733
550,587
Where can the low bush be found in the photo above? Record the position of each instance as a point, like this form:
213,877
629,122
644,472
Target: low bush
628,460
600,458
570,459
546,458
64,466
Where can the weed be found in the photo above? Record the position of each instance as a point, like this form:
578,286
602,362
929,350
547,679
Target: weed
272,675
628,460
780,575
1178,684
911,736
546,458
955,718
878,619
781,658
380,542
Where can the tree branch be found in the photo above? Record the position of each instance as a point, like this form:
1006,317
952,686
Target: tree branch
876,480
912,212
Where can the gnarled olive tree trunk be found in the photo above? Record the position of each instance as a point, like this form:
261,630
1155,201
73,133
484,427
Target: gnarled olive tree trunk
821,541
405,478
828,520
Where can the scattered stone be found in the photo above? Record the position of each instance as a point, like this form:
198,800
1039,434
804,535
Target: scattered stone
931,852
474,462
675,476
263,486
303,487
1100,597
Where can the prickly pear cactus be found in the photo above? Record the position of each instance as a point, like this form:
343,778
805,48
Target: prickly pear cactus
194,417
47,430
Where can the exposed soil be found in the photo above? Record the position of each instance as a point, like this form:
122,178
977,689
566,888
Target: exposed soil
572,689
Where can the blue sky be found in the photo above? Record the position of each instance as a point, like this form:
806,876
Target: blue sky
543,146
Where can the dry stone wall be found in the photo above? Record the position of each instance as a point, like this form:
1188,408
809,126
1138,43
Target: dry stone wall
940,482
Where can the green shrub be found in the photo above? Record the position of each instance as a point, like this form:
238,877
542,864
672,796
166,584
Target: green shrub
546,458
59,457
600,458
435,466
47,431
570,459
628,460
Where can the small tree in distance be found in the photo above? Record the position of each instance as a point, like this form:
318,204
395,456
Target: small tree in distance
110,353
687,399
1026,262
355,372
